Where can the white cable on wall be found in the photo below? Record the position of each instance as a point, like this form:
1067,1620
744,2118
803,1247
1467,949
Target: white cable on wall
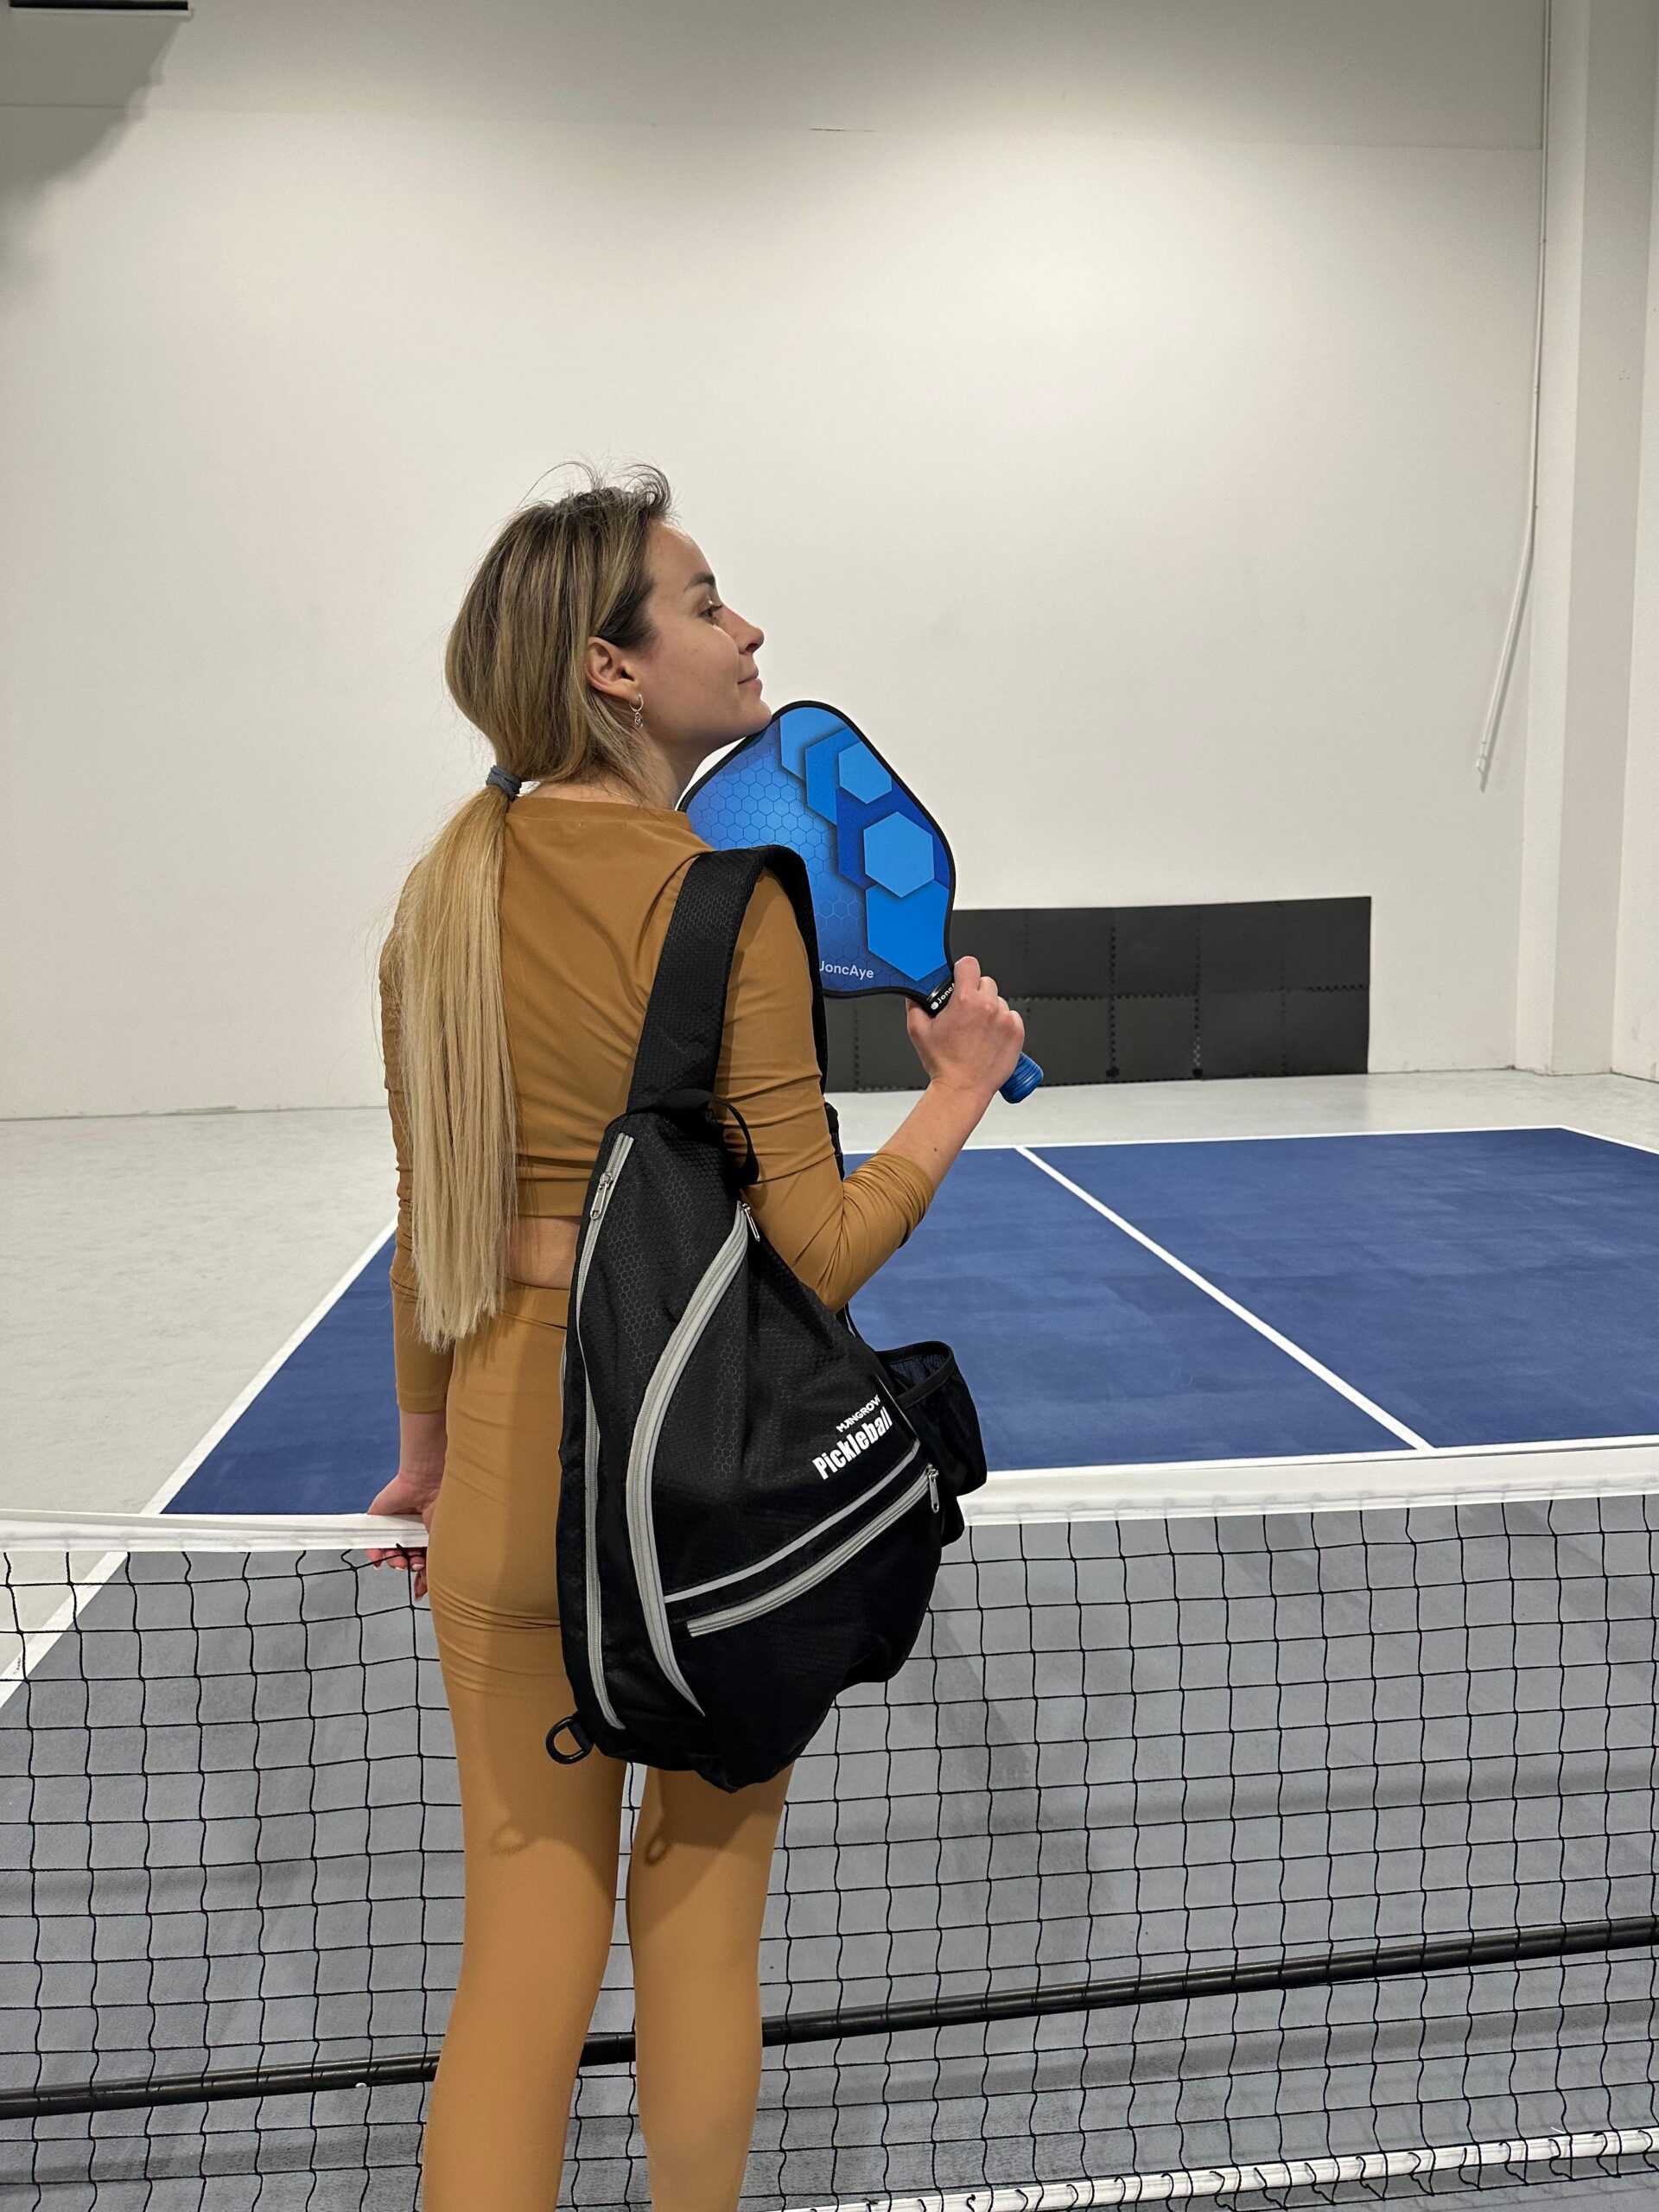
1506,662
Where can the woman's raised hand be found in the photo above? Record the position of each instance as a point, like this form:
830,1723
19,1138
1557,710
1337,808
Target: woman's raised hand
975,1040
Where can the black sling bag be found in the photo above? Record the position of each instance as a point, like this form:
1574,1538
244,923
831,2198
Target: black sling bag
752,1499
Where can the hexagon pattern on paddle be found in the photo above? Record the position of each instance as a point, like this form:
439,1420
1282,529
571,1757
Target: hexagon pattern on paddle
882,877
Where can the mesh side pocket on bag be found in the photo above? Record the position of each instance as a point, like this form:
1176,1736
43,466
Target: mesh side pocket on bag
938,1405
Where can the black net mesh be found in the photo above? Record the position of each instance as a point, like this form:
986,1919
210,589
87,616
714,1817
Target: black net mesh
1303,1843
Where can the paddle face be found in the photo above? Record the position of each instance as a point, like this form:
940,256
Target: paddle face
882,878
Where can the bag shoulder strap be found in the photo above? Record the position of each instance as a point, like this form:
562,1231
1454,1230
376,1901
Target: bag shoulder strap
679,1045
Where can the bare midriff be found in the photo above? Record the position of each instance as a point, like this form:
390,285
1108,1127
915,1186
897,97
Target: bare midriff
543,1251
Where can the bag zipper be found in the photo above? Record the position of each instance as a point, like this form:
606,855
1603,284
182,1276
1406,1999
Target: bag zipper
613,1165
595,1626
772,1559
642,1456
593,1616
926,1483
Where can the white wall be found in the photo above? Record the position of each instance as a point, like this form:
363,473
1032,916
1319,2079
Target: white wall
1121,410
1636,1008
1579,703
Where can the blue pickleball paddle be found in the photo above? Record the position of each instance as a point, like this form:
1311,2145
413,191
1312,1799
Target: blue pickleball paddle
882,878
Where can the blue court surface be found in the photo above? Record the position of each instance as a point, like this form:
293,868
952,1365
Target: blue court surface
1117,1304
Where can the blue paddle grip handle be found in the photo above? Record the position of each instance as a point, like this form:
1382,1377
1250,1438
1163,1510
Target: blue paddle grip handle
1024,1079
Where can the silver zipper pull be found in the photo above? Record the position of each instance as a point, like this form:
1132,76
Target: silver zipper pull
749,1217
933,1484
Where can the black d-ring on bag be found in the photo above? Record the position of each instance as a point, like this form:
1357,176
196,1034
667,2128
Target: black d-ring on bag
752,1499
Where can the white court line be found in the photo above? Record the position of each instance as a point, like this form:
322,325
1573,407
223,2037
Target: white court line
1326,1375
1292,2173
34,1643
1293,1136
1630,1144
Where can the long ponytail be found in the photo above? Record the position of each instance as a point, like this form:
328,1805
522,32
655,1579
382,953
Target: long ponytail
560,572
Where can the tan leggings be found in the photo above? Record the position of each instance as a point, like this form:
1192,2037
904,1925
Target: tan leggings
541,1841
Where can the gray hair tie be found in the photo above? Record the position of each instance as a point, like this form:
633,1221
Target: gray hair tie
510,784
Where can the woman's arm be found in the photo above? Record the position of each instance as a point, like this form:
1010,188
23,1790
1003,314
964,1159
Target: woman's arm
939,1124
834,1233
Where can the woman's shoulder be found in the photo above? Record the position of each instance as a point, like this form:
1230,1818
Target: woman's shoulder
611,850
604,831
571,857
587,825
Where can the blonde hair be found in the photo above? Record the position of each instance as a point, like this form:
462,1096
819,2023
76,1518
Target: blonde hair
560,572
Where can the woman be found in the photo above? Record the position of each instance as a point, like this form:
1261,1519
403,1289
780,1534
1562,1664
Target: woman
595,653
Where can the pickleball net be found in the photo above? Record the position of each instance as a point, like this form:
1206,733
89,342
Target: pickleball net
1243,1854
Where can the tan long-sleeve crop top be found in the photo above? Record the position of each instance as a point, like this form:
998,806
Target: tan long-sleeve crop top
587,890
